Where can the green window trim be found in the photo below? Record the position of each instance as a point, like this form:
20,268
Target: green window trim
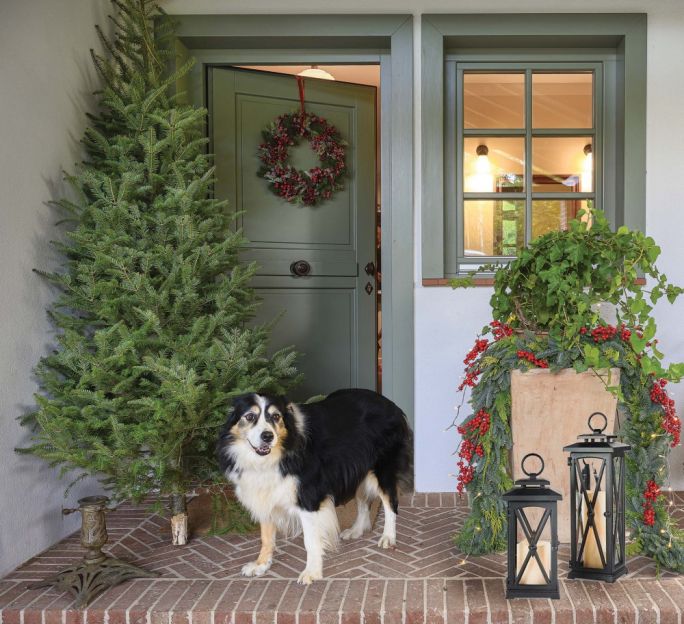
615,43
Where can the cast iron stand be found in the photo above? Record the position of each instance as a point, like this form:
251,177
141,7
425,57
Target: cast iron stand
97,572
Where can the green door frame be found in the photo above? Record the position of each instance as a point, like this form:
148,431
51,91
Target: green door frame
339,39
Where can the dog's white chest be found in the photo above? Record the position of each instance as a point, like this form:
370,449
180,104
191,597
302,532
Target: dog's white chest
266,493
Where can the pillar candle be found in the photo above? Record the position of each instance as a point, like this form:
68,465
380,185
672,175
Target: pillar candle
533,575
591,555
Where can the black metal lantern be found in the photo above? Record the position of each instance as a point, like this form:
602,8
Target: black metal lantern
597,505
532,552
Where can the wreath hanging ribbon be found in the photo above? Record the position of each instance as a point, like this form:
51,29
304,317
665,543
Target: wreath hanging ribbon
295,186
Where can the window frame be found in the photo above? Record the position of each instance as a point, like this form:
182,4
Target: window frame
617,40
455,133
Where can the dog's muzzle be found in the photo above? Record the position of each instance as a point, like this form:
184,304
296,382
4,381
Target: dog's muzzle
264,448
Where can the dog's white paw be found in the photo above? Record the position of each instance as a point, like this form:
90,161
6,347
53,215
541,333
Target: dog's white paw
255,568
307,577
387,542
353,533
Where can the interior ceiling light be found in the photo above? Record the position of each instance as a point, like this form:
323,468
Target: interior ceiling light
316,72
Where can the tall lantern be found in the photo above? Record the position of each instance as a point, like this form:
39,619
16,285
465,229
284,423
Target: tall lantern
532,552
597,504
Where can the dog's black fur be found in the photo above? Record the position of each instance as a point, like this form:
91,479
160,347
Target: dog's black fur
344,437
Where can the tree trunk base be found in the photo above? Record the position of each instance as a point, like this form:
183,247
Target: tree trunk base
179,529
179,519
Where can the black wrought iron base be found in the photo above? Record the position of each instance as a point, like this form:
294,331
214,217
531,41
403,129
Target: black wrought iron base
596,575
86,581
533,592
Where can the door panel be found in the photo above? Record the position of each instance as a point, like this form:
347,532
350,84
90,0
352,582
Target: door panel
320,321
328,315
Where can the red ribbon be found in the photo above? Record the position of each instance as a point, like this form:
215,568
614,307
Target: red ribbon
300,85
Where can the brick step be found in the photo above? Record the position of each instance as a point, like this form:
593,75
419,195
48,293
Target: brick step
434,601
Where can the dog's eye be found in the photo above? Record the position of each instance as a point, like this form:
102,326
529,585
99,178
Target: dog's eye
250,416
275,417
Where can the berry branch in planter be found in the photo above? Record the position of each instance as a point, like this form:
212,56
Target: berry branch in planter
546,308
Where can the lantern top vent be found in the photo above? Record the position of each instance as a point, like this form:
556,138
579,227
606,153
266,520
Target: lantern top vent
597,439
532,487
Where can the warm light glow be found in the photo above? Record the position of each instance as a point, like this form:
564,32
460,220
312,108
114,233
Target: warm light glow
315,72
587,177
482,178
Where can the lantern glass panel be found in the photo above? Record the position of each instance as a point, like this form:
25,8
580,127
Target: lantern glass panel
533,552
593,527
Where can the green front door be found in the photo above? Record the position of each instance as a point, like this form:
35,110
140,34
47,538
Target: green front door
330,314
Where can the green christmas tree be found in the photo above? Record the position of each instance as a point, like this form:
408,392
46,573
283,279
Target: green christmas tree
153,318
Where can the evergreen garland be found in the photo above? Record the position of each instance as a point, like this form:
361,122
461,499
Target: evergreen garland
153,317
590,264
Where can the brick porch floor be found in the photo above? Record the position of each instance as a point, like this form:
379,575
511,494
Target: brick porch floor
423,580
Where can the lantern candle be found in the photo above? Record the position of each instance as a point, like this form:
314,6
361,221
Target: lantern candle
592,556
533,574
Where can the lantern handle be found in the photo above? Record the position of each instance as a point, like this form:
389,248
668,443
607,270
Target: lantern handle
532,475
605,422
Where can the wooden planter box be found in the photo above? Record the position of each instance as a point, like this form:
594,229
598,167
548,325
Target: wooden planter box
549,410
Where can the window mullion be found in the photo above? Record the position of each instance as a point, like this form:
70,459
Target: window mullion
528,156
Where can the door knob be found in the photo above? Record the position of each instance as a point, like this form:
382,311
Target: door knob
370,268
300,268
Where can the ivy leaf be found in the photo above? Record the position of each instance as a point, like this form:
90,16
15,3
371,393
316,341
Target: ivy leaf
638,344
592,355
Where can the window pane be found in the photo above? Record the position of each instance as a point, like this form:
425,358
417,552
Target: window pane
493,164
550,215
493,100
562,165
493,228
562,100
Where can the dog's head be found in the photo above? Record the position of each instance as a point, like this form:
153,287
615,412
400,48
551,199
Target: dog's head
257,428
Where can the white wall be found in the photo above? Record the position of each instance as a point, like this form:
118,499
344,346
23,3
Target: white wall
447,321
46,80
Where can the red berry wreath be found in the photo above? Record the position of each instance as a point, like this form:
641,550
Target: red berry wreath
293,185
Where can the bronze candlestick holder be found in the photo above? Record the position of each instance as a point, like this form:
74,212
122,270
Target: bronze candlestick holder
98,571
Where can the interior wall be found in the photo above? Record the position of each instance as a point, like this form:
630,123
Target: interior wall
47,81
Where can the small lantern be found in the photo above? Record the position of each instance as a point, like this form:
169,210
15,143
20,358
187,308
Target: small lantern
532,552
597,505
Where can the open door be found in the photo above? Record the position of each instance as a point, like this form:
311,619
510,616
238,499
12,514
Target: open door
329,315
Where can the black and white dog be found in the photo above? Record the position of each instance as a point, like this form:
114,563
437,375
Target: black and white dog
291,464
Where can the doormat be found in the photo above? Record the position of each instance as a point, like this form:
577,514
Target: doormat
218,514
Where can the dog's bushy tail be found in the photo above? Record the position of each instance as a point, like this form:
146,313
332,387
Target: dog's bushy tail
405,459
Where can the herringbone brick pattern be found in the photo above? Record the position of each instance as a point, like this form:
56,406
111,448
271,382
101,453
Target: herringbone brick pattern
424,579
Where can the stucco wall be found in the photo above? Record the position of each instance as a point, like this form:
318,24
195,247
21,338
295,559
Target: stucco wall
446,321
45,85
